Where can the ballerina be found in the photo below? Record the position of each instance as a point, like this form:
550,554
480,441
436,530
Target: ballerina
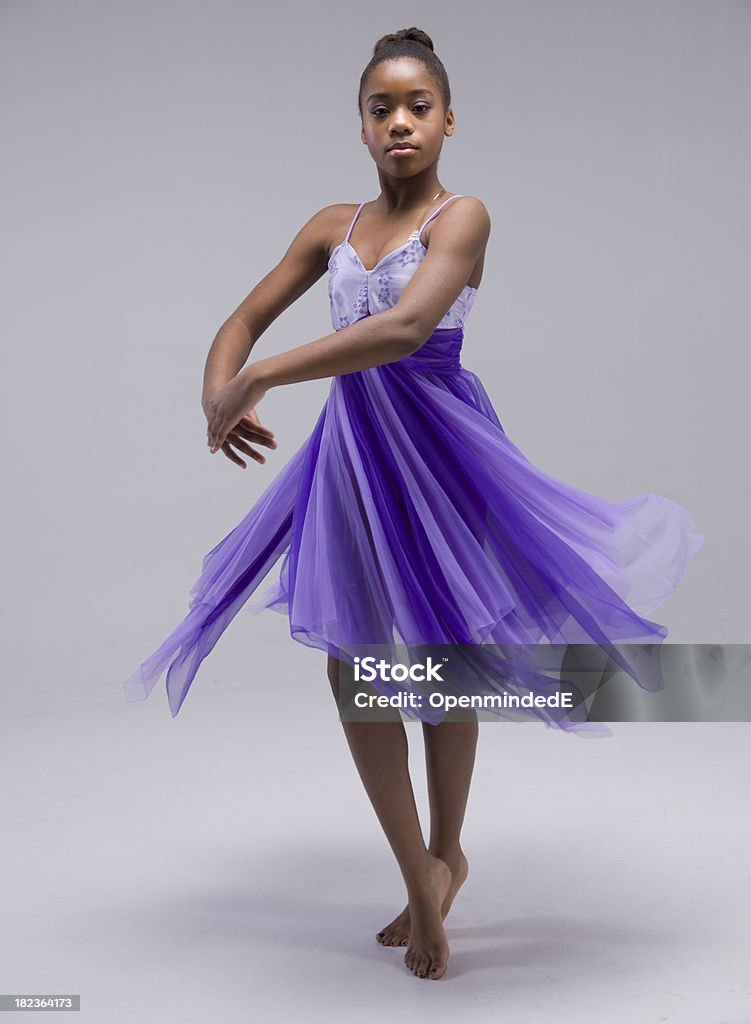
408,515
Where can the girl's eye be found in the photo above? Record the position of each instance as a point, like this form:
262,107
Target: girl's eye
420,108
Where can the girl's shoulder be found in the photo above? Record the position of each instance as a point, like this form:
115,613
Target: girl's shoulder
461,211
467,203
318,235
330,220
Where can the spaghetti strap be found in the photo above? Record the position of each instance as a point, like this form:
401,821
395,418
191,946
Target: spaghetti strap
435,212
357,214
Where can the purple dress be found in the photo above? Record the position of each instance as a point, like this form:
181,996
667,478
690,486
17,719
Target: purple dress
408,517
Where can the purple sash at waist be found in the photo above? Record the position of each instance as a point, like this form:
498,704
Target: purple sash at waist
439,353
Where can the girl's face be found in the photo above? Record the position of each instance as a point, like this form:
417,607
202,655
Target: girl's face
402,102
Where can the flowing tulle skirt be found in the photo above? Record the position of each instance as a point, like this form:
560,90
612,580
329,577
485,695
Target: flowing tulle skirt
408,517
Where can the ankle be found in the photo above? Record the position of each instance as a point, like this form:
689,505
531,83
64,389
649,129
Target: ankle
452,855
420,877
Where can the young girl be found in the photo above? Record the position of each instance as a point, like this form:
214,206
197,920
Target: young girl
408,515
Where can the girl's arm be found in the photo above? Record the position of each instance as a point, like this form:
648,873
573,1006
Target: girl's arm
457,240
304,262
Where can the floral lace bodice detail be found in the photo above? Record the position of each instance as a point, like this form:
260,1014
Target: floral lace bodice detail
355,292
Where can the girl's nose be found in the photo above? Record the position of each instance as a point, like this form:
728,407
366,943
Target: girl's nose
400,120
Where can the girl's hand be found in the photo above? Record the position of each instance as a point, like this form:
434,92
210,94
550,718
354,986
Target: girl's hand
232,417
249,427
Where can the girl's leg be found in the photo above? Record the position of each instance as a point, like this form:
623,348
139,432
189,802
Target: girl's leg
449,759
380,753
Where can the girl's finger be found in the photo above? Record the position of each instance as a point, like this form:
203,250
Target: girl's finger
238,442
227,449
250,424
217,437
253,435
255,425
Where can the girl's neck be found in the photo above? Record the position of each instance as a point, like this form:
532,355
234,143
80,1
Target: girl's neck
405,196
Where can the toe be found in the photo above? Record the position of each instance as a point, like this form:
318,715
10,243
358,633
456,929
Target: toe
437,967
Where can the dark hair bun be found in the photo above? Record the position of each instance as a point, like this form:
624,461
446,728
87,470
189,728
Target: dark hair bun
415,34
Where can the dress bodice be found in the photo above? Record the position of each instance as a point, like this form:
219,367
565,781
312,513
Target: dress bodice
355,292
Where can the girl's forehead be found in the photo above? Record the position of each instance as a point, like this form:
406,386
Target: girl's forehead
399,75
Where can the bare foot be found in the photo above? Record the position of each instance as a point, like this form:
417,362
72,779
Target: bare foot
396,933
427,955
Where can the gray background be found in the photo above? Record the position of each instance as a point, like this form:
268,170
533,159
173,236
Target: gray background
158,159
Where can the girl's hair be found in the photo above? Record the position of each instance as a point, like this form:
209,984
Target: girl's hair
408,42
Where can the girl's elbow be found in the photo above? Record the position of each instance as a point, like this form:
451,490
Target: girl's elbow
410,332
